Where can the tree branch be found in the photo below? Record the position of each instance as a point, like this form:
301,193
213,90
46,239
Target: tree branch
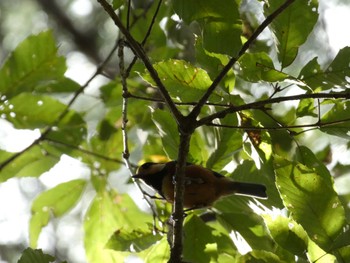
271,128
196,110
139,52
126,153
178,216
262,103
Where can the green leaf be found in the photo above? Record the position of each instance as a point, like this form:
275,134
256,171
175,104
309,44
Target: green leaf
38,220
60,199
261,256
287,233
256,67
181,78
191,10
306,107
32,163
336,75
198,236
249,225
228,142
212,62
308,158
159,252
108,213
198,152
34,62
221,24
61,85
167,130
56,201
28,111
117,4
134,240
111,94
107,141
311,200
30,255
316,254
290,30
223,37
339,115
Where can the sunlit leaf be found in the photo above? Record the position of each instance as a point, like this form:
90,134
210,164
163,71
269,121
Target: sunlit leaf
228,141
306,107
336,75
32,163
28,111
159,252
35,61
56,201
256,67
108,213
249,225
38,220
107,146
290,30
311,200
167,130
181,78
60,198
338,117
288,234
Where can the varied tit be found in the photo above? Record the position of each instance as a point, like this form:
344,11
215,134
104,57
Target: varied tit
202,186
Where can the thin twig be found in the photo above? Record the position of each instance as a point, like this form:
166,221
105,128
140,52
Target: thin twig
317,124
78,148
148,33
261,104
126,153
141,54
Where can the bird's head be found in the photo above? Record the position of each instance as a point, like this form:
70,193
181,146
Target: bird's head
148,169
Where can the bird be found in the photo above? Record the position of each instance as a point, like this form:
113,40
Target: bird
203,187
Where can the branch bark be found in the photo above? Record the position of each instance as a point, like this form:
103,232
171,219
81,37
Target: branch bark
178,216
263,103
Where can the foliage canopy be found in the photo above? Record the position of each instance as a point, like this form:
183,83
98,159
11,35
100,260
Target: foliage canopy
211,62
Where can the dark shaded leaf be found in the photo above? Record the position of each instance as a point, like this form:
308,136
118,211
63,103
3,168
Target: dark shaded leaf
135,240
290,30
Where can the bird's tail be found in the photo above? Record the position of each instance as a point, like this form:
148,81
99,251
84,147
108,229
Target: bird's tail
248,189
